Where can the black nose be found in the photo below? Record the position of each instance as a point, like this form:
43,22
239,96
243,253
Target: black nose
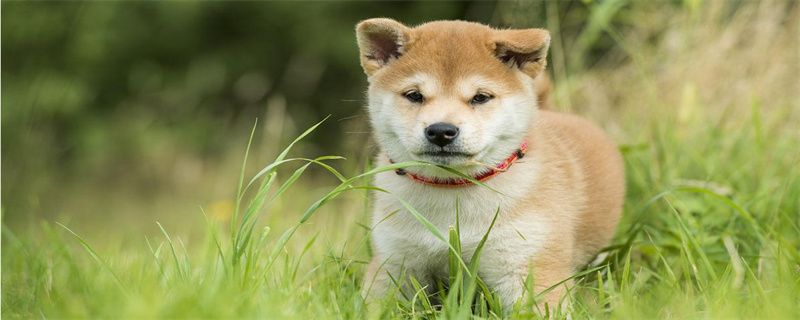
441,134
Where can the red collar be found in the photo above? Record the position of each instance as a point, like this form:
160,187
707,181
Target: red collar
461,182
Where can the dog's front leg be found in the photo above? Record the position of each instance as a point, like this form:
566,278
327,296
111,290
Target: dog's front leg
552,275
551,268
388,276
548,268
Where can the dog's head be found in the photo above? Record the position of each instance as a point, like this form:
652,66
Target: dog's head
450,92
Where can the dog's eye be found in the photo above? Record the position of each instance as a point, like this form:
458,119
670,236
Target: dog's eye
414,96
480,98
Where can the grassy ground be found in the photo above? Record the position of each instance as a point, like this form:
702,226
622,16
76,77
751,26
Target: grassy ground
706,113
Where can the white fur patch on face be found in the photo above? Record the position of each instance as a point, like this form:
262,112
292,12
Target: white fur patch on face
488,133
394,119
427,84
471,85
503,121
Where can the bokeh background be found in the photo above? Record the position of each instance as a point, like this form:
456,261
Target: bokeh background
119,111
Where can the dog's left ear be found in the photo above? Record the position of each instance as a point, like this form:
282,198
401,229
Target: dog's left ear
525,49
380,41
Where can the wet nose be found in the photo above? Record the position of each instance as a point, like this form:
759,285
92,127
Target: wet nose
441,134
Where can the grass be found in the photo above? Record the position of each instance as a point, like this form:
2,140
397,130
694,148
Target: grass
711,227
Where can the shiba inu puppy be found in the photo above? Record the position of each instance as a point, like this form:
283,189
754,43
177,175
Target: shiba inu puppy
464,95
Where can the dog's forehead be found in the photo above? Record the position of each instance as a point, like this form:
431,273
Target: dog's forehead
453,30
449,52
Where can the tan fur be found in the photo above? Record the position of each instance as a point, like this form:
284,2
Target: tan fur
582,170
449,52
544,91
583,176
565,196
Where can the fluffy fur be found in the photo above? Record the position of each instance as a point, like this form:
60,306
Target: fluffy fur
558,206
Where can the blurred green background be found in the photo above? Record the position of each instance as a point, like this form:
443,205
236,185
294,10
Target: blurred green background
109,107
118,111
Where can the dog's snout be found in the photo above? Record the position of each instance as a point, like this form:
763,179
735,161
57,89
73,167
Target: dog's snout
441,134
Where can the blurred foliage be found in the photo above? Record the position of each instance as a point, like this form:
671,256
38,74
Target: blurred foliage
102,89
127,95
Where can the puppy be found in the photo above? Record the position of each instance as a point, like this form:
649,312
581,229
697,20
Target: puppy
464,95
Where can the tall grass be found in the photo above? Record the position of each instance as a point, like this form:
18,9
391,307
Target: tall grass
705,102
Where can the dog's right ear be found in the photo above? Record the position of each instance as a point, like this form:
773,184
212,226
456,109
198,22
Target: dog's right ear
380,41
525,49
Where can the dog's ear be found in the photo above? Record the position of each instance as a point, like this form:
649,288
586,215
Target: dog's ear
525,49
380,41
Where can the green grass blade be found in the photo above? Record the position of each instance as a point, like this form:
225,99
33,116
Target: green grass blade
173,251
239,188
94,255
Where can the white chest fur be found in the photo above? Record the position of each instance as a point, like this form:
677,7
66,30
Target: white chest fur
401,239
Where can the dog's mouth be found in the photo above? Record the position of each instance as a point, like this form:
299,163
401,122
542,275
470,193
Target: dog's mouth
445,157
443,153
